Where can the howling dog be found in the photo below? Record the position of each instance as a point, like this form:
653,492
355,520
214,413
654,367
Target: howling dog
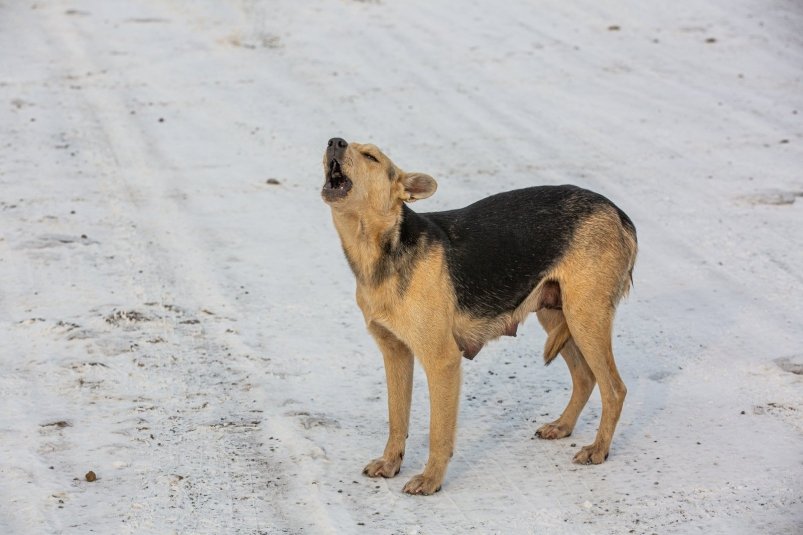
440,285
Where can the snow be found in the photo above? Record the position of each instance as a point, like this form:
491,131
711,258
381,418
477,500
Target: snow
187,331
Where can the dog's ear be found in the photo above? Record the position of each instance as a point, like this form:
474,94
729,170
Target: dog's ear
418,186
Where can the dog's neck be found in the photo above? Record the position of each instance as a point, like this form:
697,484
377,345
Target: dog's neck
369,240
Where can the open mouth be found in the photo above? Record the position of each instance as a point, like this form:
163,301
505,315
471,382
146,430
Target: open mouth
337,184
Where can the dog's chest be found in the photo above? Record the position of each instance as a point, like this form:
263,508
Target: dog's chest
412,301
378,303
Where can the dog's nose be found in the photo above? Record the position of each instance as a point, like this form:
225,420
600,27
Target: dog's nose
336,149
338,143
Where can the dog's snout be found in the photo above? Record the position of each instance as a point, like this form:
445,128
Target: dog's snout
336,148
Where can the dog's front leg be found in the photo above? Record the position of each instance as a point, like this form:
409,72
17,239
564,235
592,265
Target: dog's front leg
399,373
443,377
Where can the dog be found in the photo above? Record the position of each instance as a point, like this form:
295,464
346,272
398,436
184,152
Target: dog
440,285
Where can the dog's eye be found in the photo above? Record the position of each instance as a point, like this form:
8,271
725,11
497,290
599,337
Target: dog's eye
370,157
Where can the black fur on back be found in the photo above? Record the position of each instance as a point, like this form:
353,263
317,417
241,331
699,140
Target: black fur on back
498,249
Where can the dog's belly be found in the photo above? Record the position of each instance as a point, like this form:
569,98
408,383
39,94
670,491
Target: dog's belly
472,333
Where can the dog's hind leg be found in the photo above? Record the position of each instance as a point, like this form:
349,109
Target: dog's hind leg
442,366
582,380
399,373
591,325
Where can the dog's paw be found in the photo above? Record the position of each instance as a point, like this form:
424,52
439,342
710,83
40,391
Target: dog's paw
422,484
552,431
383,468
591,454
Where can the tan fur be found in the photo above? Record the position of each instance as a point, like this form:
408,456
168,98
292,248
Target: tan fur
423,319
555,340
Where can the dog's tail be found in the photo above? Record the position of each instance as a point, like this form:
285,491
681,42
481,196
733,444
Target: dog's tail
555,340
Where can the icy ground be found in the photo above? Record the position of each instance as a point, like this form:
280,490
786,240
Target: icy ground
185,329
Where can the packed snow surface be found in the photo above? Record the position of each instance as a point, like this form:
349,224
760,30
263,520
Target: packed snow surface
177,317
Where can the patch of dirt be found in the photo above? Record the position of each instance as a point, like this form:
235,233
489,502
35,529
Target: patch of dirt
47,241
118,317
92,364
308,421
791,364
60,424
773,408
772,197
147,20
248,424
262,41
31,321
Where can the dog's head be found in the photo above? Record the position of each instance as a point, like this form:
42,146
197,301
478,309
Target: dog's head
360,177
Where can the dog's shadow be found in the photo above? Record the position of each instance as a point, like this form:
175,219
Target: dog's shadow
508,394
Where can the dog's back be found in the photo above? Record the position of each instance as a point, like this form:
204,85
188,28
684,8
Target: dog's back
499,248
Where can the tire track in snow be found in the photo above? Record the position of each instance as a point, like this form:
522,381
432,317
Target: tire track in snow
232,456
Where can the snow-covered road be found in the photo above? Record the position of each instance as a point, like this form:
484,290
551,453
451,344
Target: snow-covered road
186,329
